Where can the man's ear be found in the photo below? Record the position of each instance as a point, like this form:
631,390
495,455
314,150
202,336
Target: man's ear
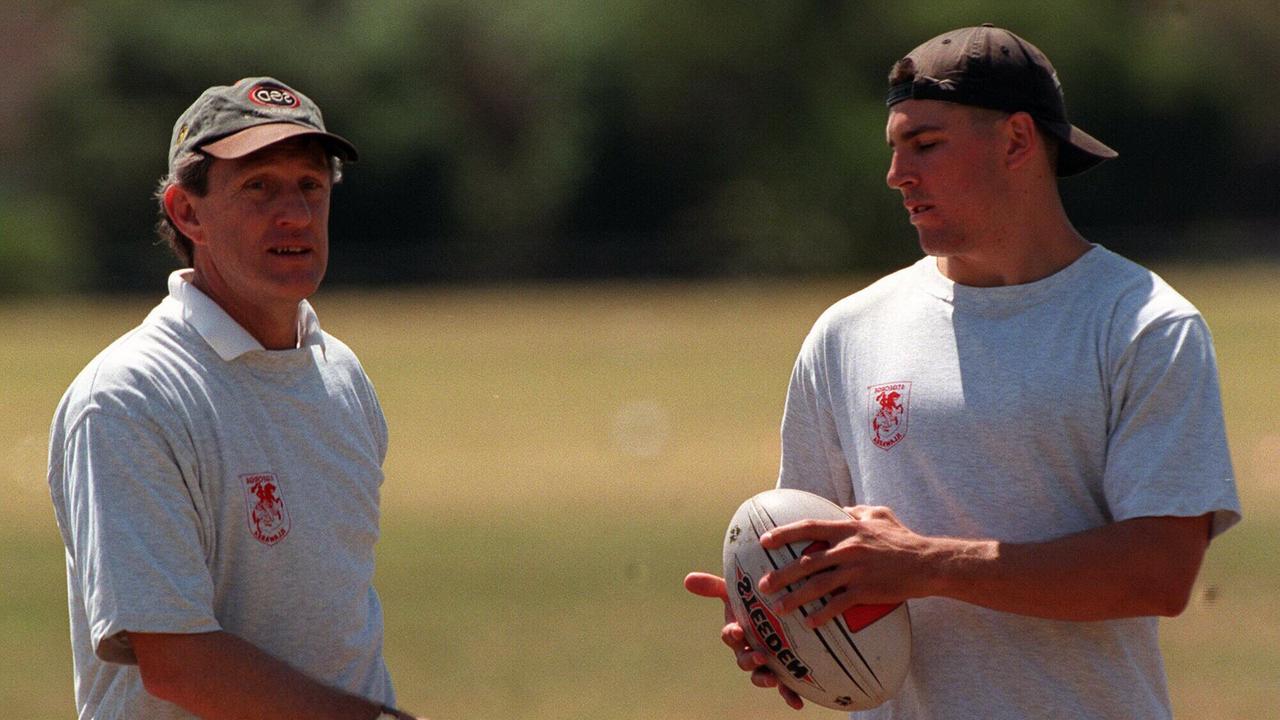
1022,138
181,209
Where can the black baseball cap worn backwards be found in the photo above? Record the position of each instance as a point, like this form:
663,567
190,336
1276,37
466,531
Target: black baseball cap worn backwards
993,68
231,121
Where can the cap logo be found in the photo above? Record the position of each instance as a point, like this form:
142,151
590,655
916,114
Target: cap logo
273,96
182,134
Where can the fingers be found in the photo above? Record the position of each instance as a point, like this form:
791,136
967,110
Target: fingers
764,678
790,696
832,609
830,530
751,661
806,531
871,512
706,585
832,583
871,540
747,658
809,564
732,635
711,586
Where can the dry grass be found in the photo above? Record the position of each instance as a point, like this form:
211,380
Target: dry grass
562,455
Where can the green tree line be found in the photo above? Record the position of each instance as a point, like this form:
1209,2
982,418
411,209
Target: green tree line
615,138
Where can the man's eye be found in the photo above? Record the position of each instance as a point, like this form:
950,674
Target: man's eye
926,145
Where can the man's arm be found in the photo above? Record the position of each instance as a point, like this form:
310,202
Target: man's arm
219,675
1143,566
1137,567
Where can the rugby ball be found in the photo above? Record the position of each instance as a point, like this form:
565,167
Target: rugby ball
855,661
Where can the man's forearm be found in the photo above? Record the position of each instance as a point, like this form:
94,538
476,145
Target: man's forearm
1144,566
219,675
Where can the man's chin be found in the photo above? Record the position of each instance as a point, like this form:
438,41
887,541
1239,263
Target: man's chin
939,244
300,283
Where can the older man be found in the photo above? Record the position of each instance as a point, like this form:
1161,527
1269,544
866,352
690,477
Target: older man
215,472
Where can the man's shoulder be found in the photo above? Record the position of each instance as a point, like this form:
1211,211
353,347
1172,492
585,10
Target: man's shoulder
337,350
882,295
132,372
339,356
1134,296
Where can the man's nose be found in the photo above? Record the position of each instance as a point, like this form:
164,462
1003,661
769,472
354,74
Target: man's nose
900,172
294,209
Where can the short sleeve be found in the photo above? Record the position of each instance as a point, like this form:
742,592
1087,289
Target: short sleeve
812,458
377,420
1167,449
136,539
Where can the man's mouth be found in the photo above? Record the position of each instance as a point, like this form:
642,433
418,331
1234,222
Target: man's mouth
289,250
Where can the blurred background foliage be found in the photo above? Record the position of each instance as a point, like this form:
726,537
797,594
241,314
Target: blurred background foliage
518,139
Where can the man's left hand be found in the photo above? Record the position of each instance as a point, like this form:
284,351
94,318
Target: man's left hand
870,558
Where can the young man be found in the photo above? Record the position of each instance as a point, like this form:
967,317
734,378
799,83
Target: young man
1024,427
215,472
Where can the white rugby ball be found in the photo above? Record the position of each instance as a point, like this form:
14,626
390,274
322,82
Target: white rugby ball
855,661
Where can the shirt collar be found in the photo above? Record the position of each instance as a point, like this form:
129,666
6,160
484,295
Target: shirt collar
226,336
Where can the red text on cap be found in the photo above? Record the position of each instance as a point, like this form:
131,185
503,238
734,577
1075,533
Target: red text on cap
273,96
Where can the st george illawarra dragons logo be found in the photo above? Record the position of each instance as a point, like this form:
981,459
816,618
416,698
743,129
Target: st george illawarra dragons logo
264,501
888,406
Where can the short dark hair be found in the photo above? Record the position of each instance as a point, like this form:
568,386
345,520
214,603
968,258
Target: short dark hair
192,172
902,71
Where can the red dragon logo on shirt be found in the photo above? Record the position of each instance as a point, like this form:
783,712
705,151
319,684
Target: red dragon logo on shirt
888,408
268,517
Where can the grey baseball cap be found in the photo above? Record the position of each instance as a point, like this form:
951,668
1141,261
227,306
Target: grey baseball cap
991,67
231,121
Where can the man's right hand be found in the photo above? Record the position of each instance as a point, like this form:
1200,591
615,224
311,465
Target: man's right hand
732,634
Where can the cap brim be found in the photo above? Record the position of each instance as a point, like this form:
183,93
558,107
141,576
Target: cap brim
253,139
1079,150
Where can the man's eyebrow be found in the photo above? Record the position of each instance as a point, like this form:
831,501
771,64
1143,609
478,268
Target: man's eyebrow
917,130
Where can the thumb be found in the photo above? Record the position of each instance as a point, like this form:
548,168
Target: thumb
706,585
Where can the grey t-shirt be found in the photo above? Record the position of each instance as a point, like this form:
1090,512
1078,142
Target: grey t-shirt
203,483
1022,414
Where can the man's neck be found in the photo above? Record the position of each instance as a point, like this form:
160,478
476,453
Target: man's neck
1012,267
1020,248
273,325
275,333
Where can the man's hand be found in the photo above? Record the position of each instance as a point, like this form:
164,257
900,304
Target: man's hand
870,558
732,635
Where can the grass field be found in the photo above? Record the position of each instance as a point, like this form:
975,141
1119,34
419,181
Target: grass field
562,455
